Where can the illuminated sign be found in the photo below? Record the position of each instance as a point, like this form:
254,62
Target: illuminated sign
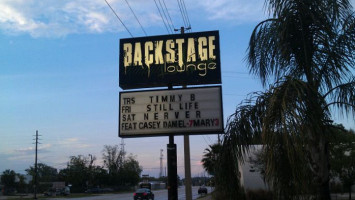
165,112
179,59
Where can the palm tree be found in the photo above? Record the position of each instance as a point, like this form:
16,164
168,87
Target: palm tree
209,160
306,51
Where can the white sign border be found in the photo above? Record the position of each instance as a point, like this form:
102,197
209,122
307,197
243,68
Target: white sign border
184,131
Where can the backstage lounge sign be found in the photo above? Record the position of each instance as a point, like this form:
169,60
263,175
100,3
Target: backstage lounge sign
179,59
164,112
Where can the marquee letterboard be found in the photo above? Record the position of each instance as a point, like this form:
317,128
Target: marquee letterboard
165,112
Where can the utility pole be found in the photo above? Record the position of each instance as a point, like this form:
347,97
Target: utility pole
122,152
161,163
36,173
122,147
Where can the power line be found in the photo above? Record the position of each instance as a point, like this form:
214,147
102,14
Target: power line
162,17
186,15
234,72
205,140
209,139
165,15
136,17
171,21
119,18
182,13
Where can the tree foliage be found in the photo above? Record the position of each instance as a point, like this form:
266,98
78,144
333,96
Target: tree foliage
306,51
8,178
77,173
123,170
45,173
130,172
342,159
210,156
12,182
117,171
113,158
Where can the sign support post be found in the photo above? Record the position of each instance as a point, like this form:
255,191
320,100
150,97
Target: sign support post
172,169
172,166
187,162
188,190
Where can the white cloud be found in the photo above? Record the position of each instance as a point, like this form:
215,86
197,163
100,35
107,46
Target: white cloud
57,18
73,142
12,18
31,150
54,18
240,11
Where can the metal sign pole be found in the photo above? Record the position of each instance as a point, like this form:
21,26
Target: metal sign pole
172,166
188,189
172,170
187,163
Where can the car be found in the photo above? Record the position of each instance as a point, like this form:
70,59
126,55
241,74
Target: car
65,191
107,190
9,191
52,192
143,193
94,190
202,190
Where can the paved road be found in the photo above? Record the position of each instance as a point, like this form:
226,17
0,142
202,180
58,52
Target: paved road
158,194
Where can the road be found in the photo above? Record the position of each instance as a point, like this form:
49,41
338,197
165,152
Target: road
158,194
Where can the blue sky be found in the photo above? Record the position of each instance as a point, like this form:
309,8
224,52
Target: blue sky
59,75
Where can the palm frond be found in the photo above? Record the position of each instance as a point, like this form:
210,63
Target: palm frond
343,97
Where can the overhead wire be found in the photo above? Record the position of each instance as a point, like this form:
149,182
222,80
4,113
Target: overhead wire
136,17
182,13
205,140
118,18
186,14
165,15
209,139
171,21
162,17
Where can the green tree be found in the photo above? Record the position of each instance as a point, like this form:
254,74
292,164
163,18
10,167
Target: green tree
45,173
123,170
210,156
342,159
113,158
99,176
306,50
77,173
21,185
8,178
227,173
130,172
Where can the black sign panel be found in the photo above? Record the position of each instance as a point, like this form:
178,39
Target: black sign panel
179,59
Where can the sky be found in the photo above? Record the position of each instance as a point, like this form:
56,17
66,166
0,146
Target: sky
59,75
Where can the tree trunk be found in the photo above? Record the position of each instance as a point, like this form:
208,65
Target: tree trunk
324,193
350,192
320,160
